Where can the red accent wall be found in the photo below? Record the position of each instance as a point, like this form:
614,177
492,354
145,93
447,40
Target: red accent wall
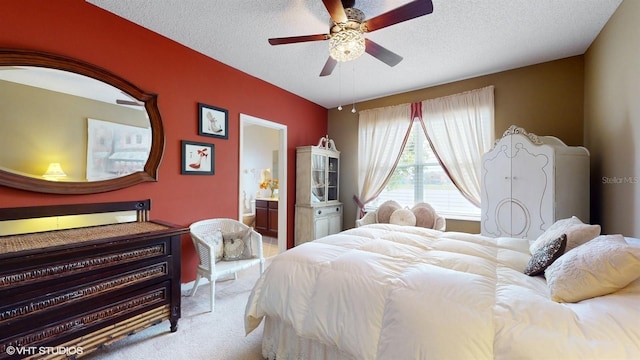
181,77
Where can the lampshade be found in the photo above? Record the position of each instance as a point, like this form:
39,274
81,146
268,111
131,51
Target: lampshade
346,45
54,172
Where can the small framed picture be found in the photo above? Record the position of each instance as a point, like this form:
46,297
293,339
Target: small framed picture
213,121
197,158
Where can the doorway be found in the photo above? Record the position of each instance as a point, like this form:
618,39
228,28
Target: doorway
251,167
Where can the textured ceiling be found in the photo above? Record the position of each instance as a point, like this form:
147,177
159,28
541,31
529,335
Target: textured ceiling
459,40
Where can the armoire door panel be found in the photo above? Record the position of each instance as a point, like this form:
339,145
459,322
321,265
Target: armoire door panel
523,180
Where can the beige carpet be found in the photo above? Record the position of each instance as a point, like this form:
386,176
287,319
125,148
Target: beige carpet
201,334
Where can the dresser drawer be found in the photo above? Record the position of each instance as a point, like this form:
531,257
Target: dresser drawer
79,321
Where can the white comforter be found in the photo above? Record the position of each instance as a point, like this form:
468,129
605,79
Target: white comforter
393,292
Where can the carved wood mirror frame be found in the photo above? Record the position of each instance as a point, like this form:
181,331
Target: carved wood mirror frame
15,57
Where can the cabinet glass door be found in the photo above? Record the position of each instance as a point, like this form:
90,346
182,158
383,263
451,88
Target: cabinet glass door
332,179
318,171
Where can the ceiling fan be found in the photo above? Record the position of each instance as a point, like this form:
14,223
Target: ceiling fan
348,26
131,102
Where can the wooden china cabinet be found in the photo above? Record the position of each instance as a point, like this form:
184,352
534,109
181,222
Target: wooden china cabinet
318,211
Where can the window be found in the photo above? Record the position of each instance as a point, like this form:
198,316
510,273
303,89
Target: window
420,178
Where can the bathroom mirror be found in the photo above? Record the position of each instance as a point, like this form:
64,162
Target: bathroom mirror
69,127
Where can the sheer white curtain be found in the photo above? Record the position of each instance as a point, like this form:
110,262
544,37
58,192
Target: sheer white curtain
383,134
460,129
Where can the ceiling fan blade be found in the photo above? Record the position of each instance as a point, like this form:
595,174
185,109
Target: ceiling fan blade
405,12
386,56
336,10
127,102
132,101
297,39
328,66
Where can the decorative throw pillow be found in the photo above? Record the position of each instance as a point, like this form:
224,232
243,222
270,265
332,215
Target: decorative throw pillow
545,256
577,233
403,217
215,239
599,267
425,215
237,245
386,209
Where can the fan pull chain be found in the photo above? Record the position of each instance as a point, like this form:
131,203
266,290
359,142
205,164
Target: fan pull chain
353,108
340,85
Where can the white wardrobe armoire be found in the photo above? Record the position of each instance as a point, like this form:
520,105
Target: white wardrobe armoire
529,182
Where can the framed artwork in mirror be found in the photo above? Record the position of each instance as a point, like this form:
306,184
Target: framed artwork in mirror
115,150
197,158
213,121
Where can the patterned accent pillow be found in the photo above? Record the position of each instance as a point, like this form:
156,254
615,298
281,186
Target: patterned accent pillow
577,233
215,239
385,211
545,256
403,217
602,266
237,245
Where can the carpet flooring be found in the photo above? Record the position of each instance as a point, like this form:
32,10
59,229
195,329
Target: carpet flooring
201,334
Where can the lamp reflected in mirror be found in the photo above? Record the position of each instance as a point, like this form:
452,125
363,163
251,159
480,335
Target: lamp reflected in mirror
54,172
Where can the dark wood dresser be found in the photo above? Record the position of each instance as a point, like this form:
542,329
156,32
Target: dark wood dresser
65,293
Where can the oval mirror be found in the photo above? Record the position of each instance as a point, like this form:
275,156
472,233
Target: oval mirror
69,127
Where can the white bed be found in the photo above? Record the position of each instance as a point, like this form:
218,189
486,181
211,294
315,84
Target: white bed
397,292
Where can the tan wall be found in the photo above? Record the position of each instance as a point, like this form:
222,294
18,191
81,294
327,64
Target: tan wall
612,122
41,126
546,99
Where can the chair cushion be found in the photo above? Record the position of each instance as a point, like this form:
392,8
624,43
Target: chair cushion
237,245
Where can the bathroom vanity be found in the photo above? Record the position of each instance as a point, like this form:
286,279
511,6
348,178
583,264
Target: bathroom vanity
267,217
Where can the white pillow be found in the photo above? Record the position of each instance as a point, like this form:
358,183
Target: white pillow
403,217
577,233
215,240
599,267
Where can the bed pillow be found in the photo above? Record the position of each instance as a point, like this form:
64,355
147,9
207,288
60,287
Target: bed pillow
577,233
237,245
599,267
385,211
215,239
425,215
545,256
403,217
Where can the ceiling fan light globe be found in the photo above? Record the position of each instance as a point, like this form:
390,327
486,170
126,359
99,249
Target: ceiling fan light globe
346,45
